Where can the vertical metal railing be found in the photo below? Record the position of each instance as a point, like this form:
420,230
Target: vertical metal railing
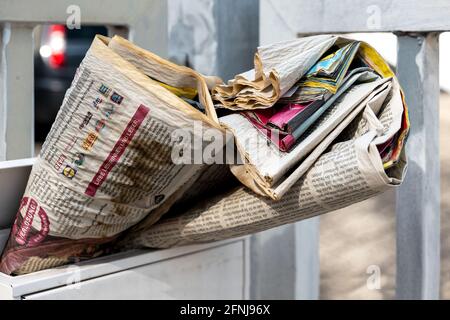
418,200
17,91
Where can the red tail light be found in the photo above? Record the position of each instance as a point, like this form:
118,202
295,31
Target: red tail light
54,48
57,60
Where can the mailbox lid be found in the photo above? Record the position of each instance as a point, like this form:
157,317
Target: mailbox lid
190,264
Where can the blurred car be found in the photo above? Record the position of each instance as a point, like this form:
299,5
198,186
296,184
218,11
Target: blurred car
58,55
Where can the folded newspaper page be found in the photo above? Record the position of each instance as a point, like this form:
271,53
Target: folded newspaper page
277,69
106,164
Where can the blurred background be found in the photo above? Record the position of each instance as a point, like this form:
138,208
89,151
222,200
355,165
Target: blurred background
59,51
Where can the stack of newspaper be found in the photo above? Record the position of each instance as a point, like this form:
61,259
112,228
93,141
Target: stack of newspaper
341,109
141,150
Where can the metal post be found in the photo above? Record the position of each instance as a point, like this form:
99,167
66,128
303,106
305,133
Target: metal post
17,92
150,30
272,264
418,199
237,35
118,31
307,264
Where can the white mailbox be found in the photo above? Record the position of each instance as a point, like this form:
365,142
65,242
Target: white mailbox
211,271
